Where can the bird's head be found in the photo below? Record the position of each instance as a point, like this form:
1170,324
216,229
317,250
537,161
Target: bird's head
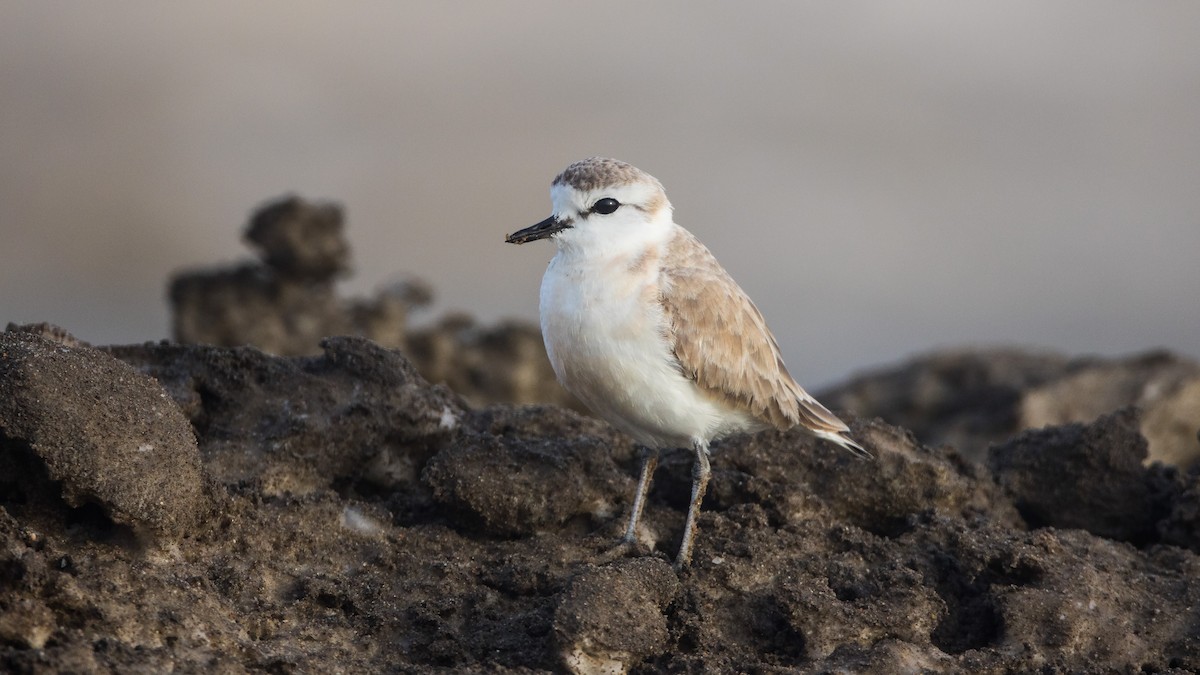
599,204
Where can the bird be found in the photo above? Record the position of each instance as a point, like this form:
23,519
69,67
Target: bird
647,329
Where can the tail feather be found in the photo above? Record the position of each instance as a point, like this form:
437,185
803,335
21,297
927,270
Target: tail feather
820,422
846,442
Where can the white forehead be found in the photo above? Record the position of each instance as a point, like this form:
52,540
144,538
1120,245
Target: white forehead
587,181
568,200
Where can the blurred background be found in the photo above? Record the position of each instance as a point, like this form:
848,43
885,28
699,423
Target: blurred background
883,178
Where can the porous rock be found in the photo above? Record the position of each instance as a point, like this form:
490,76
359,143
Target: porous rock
503,363
1181,526
515,482
372,521
358,411
611,618
791,475
331,551
1171,425
300,239
1164,386
1043,469
287,303
109,434
970,399
905,479
965,398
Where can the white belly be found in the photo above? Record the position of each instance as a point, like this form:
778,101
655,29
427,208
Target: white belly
606,338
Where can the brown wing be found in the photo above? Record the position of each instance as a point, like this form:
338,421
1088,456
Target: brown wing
722,342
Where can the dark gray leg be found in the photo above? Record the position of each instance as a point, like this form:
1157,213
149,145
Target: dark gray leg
700,475
649,464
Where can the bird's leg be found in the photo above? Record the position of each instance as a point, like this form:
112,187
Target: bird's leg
649,463
700,474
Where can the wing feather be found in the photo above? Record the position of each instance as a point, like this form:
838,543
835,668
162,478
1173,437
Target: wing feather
722,342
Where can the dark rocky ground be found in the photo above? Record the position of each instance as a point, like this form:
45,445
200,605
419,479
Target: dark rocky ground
182,507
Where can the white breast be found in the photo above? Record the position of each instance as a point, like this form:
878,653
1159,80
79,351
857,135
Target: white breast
605,334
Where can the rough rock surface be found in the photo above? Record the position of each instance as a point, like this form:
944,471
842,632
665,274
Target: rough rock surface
367,521
615,615
80,423
969,399
1164,386
1042,469
335,512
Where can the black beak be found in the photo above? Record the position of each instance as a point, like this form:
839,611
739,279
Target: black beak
540,231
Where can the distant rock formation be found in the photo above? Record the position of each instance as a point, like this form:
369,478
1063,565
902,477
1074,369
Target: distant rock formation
286,302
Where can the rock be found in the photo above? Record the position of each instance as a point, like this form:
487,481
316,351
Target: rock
1181,526
287,303
28,624
905,480
1165,387
250,305
969,399
1043,469
612,618
1059,601
48,331
370,520
505,363
110,435
300,240
516,484
356,412
791,476
1171,425
962,398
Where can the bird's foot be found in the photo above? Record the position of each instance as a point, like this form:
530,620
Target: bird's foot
626,548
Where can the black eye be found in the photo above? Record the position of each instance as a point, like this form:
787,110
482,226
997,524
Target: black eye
606,206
